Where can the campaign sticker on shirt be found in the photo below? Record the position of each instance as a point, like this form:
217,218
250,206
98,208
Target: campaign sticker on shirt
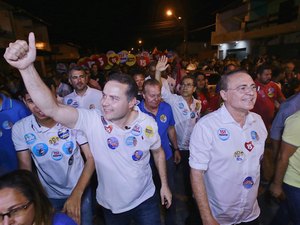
69,101
112,142
137,155
248,182
181,105
92,106
185,112
75,104
149,131
136,130
68,147
163,118
63,133
131,141
30,138
249,146
40,149
223,134
53,140
108,128
7,125
271,92
193,115
71,160
56,155
254,135
239,156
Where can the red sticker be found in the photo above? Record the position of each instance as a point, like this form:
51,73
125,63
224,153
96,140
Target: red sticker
249,146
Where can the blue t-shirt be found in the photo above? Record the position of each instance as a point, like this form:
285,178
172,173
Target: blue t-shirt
10,112
62,219
164,118
287,108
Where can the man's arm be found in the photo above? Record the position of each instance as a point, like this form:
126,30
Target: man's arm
160,163
73,204
285,152
24,159
22,56
173,140
200,195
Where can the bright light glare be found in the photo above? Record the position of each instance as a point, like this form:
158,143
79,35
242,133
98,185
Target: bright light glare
169,12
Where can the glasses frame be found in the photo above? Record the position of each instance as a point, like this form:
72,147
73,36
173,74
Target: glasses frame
243,89
15,210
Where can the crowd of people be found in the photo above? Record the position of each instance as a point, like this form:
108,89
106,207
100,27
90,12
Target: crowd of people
111,140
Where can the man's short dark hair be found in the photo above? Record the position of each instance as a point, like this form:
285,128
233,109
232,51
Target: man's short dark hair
123,78
190,77
223,83
262,68
76,68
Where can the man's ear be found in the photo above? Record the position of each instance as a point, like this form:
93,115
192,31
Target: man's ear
223,95
132,102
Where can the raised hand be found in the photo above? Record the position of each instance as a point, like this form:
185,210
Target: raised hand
162,64
20,54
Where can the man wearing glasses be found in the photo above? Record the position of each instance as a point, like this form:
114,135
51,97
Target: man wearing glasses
226,148
83,96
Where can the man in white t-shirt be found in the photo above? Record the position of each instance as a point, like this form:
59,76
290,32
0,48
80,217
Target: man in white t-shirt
186,110
56,153
120,137
83,96
226,149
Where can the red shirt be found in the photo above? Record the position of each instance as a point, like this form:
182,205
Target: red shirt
267,94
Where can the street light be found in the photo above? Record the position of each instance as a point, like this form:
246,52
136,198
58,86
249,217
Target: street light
183,23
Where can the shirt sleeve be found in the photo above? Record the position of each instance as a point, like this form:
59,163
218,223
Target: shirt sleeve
292,130
156,138
200,147
18,137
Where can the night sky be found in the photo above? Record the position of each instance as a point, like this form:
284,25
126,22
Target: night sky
114,24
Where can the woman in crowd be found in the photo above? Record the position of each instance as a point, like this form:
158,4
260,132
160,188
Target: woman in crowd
23,201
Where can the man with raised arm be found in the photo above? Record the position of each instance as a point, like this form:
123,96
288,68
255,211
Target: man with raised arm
126,189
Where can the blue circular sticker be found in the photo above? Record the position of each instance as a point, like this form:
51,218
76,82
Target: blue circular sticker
254,135
185,112
56,155
193,115
112,142
63,133
181,105
68,147
69,101
248,182
137,155
30,138
136,130
131,141
7,125
223,134
40,149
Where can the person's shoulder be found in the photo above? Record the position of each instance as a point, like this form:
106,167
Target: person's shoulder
24,121
94,90
62,219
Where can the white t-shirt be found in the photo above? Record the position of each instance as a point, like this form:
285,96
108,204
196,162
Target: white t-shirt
55,153
121,158
185,116
90,100
230,156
